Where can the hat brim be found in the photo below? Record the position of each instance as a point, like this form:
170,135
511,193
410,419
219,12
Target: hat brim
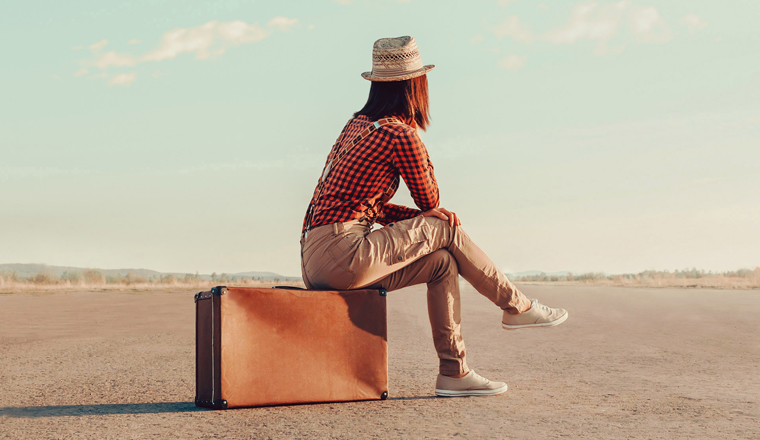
370,77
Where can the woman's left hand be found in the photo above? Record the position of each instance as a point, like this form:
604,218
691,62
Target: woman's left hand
453,218
444,214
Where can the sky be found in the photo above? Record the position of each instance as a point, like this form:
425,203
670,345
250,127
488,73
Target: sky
583,136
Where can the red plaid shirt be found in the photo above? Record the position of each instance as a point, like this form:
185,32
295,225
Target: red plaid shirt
359,186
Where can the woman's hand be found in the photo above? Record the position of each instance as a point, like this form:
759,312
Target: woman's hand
443,214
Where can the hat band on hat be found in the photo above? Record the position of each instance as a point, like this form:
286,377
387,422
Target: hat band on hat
388,73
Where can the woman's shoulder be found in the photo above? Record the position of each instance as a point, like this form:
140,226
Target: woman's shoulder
403,131
397,129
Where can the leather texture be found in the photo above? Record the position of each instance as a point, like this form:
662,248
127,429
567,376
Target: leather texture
282,346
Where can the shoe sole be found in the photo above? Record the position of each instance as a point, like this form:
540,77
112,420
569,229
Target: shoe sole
466,393
542,324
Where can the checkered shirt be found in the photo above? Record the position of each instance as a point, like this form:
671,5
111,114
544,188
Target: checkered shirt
359,186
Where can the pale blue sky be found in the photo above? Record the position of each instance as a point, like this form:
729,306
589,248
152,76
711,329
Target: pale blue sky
181,136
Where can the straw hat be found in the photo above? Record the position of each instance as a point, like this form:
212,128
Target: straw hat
396,59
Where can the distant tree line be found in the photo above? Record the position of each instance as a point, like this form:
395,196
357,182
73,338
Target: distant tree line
91,277
738,279
647,274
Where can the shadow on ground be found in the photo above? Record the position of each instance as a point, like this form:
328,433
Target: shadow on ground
86,410
122,408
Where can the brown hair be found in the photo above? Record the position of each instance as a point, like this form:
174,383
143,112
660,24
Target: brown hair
407,100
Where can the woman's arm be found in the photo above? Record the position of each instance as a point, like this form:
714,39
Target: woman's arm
393,213
411,159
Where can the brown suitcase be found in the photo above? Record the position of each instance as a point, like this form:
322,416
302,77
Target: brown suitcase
278,346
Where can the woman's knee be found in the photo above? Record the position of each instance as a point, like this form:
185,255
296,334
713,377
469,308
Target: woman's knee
438,223
445,265
454,235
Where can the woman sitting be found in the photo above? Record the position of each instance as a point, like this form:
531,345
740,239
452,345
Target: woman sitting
339,249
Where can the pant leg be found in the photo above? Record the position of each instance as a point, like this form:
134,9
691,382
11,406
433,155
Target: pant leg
439,271
340,257
397,245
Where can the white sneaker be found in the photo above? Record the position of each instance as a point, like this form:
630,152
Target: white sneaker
538,315
471,384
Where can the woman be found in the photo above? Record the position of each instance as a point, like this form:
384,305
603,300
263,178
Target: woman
425,245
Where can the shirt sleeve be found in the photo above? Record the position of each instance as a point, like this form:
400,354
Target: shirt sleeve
393,213
410,157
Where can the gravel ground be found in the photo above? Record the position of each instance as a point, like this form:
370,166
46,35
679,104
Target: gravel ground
628,363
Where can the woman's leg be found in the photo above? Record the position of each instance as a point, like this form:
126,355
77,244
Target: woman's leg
397,245
413,251
439,271
327,258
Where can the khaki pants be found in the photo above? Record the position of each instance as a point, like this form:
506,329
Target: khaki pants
418,250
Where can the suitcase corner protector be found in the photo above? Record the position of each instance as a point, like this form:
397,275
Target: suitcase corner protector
384,396
202,295
219,290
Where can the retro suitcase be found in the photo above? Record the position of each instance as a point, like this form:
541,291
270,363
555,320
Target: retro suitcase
278,346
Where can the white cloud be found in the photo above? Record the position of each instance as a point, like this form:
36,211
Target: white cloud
204,41
282,23
114,59
476,38
589,21
134,41
643,20
123,79
694,22
648,26
77,47
99,45
81,72
310,27
505,2
212,38
513,28
543,6
342,2
600,23
512,62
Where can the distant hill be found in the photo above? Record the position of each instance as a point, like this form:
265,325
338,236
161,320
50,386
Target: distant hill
30,270
535,273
